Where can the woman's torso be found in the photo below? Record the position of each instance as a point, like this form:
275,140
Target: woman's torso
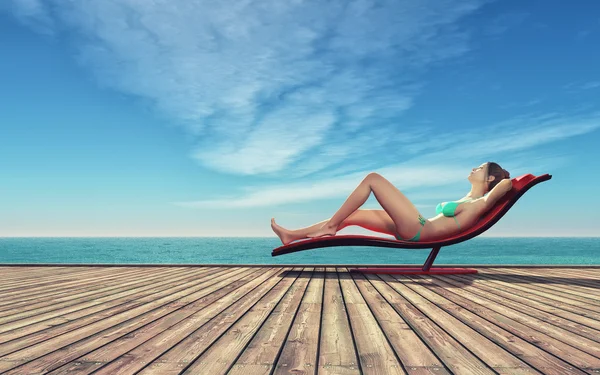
443,225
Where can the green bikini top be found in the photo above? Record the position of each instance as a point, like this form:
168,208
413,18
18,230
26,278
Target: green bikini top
448,208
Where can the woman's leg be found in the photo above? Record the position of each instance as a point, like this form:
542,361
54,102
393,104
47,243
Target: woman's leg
375,220
396,204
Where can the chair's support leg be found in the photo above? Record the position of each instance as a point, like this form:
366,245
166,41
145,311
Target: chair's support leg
425,270
434,252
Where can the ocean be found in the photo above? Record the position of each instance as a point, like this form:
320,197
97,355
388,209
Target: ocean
253,250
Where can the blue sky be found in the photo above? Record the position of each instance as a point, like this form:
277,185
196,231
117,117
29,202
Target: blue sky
180,118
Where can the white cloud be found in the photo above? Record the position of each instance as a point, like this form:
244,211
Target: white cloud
264,84
504,22
531,103
591,85
295,88
508,143
32,13
575,87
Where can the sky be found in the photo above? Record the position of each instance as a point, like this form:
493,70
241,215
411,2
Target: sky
207,118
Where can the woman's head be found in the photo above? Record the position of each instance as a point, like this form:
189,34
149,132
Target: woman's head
489,173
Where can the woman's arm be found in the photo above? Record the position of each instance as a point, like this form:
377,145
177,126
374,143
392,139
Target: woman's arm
468,213
496,193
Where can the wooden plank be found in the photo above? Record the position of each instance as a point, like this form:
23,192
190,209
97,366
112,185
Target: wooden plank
108,355
570,332
584,273
193,329
222,354
81,300
45,356
66,280
299,352
63,291
546,297
32,282
456,358
414,355
195,337
23,273
521,311
560,283
261,353
495,320
527,307
29,301
551,276
496,347
518,339
32,269
587,274
568,274
36,333
121,302
337,354
547,284
375,354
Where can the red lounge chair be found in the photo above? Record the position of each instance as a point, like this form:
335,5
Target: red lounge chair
519,186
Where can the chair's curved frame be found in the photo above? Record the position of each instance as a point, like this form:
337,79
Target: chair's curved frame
520,185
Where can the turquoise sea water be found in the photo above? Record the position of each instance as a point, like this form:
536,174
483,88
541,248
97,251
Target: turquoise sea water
235,250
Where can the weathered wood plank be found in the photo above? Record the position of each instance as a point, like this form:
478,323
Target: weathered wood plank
107,357
222,354
375,354
526,323
507,333
299,352
89,299
337,353
263,350
458,356
572,276
415,357
230,319
557,282
51,327
526,307
45,356
32,283
568,305
553,277
22,273
174,350
40,299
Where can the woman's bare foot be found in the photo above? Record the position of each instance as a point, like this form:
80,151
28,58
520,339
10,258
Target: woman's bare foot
323,231
283,234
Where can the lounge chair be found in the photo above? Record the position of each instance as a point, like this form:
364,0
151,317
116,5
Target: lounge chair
519,186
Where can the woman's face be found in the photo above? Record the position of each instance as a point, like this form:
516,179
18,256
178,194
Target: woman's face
478,173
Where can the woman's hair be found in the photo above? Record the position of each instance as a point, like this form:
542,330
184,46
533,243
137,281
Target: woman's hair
494,169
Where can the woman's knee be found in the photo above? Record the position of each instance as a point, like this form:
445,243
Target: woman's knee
373,176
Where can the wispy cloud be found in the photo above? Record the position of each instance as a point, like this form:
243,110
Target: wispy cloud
582,34
266,86
507,143
32,13
530,103
504,23
591,85
291,89
574,87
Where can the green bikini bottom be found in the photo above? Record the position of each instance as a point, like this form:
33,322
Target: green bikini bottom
418,235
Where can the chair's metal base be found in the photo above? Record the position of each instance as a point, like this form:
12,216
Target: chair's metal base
425,270
414,270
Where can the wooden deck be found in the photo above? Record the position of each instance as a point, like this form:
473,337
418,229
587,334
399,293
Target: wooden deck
297,319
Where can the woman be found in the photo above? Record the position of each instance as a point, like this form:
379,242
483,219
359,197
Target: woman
401,218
